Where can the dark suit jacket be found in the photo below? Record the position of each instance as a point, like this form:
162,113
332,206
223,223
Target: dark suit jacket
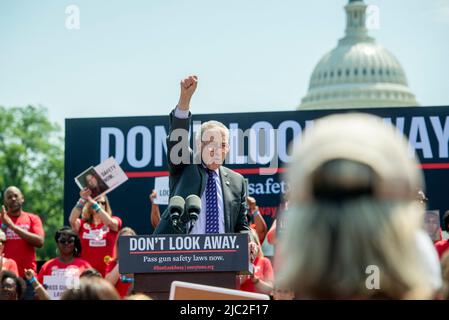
188,178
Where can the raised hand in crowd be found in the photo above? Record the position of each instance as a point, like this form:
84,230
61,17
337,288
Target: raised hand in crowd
255,219
102,215
39,289
86,194
155,212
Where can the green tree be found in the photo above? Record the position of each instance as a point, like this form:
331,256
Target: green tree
32,158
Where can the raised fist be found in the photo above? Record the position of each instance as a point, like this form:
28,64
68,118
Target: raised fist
188,87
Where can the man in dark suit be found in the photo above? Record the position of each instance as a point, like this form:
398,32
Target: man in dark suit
222,191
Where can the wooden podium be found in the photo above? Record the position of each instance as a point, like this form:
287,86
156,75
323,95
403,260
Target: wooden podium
157,285
157,261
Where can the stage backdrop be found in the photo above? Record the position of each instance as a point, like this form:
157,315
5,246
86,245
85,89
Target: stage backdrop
139,146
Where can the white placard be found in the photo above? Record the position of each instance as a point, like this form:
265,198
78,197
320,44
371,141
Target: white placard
162,190
108,175
56,285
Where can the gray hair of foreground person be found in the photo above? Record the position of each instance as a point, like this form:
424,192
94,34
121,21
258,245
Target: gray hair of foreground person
353,212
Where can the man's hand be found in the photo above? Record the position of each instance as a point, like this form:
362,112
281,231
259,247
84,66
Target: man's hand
5,218
188,87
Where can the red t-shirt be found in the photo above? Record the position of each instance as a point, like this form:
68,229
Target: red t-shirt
441,247
98,242
121,287
18,249
262,270
55,267
10,265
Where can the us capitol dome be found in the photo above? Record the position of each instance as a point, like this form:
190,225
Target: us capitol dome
358,73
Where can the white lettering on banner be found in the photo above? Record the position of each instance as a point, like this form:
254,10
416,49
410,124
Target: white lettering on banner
146,243
282,137
269,187
133,244
160,145
419,138
261,141
236,146
131,150
264,142
442,135
399,124
106,134
219,242
184,243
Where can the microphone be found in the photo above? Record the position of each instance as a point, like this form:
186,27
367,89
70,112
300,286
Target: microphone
193,208
176,209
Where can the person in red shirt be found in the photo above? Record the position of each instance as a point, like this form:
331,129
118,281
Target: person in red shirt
261,281
442,246
98,229
255,219
68,265
6,263
23,230
122,283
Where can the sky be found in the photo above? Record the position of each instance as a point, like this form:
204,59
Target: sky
128,57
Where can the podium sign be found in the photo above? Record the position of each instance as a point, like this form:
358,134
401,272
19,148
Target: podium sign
183,253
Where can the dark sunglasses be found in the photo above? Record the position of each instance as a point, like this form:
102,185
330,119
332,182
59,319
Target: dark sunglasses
66,241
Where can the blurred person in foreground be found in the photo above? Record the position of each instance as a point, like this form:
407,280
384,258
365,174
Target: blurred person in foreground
92,288
354,224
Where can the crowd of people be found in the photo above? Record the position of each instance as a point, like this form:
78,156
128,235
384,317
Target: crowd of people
353,225
88,248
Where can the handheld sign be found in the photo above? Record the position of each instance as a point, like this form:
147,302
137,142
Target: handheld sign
184,253
162,190
102,179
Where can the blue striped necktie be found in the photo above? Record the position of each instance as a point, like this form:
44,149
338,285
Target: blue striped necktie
211,203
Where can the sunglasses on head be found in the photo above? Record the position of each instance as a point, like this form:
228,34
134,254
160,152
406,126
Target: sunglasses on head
66,241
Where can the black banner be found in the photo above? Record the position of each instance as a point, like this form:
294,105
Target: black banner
138,144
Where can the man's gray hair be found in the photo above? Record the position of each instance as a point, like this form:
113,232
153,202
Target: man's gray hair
212,124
